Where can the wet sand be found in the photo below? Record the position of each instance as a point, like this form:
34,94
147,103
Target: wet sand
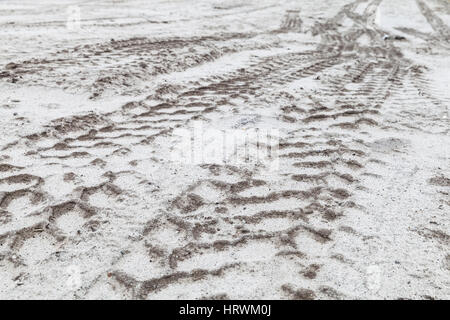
92,205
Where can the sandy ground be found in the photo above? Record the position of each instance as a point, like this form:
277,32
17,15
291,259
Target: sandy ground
93,205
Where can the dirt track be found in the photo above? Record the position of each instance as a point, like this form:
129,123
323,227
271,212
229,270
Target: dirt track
92,207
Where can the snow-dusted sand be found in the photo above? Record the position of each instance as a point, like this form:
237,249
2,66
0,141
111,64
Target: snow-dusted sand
93,205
